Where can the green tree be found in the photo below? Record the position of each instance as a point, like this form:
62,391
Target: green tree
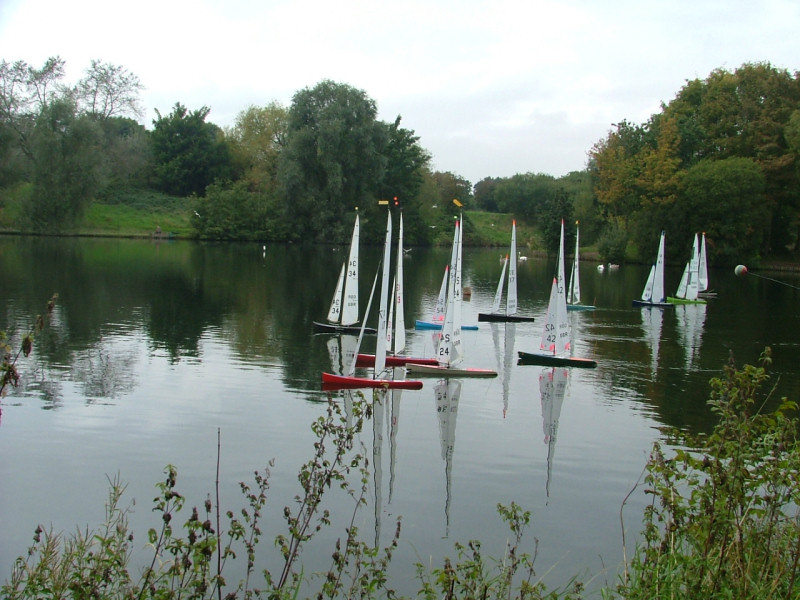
578,184
188,153
524,195
406,162
745,113
555,209
615,164
725,198
333,159
256,140
484,194
66,172
236,212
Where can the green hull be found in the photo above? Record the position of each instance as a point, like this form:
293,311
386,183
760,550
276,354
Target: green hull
684,300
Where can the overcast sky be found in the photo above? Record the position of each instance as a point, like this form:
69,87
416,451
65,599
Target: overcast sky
492,87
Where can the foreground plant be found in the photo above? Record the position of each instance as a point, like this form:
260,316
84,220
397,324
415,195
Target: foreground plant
724,522
9,375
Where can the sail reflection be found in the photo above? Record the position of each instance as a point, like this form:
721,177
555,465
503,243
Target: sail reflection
342,352
505,356
448,392
552,385
691,320
384,403
378,417
652,323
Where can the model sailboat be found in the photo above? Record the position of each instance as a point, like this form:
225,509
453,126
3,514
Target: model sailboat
437,319
343,313
689,286
653,295
510,313
574,289
702,271
556,345
449,352
349,380
396,323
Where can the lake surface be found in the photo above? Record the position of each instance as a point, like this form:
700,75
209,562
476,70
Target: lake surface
155,347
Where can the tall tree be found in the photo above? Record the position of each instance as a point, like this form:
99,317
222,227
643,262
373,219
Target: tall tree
524,195
257,138
67,151
333,158
188,153
25,92
615,165
109,91
726,200
406,162
484,194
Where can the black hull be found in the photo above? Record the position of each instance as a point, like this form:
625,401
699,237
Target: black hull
354,329
494,318
529,358
644,304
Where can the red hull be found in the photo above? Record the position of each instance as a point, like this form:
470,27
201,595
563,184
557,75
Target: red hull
368,360
333,382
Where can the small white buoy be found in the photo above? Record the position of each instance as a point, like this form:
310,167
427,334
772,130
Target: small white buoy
740,270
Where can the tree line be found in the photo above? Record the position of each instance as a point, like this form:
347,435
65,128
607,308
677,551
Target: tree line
722,157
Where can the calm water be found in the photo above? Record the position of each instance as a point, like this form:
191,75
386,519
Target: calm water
154,347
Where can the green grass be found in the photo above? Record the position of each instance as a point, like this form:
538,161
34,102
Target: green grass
123,220
494,229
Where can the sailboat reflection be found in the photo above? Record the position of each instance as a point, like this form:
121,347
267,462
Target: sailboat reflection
505,356
552,385
384,402
652,322
342,351
691,320
448,392
378,417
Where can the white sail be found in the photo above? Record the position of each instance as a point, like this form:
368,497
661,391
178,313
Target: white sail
438,311
510,265
498,295
511,296
574,293
702,266
688,288
457,297
381,343
692,286
647,292
658,294
681,293
399,313
449,348
556,336
335,311
390,319
350,306
351,371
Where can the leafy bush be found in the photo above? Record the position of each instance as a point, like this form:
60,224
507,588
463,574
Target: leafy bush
724,521
612,243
